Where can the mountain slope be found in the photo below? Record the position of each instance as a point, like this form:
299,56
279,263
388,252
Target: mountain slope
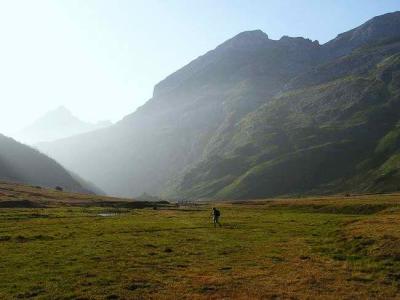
257,117
174,128
20,163
56,124
378,29
317,139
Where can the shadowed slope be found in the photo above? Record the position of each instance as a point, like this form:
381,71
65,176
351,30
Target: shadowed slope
23,164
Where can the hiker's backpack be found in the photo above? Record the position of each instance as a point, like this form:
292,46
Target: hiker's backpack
217,213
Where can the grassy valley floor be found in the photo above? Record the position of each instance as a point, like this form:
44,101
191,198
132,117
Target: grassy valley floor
326,248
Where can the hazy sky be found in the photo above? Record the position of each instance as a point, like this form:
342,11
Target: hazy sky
101,59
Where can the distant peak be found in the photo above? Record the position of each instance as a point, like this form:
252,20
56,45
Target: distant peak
61,110
252,34
247,38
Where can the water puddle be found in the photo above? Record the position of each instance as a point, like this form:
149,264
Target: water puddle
107,214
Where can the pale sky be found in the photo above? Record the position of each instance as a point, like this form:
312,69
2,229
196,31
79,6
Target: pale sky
101,59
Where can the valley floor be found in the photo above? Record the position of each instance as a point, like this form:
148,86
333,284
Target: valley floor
326,248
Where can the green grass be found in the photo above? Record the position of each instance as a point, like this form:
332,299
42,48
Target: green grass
333,247
145,251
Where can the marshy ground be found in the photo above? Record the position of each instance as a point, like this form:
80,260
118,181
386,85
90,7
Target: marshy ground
61,247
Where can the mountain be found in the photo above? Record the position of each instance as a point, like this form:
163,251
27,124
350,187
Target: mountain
379,29
20,163
57,124
257,117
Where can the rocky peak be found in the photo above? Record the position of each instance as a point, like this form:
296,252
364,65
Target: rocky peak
377,29
246,39
298,42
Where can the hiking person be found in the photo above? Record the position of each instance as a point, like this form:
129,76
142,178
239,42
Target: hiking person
216,214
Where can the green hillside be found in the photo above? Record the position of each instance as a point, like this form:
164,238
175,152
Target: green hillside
341,135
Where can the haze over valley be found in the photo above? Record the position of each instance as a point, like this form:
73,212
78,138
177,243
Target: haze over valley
255,118
56,124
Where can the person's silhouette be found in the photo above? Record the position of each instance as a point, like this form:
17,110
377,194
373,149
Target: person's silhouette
216,214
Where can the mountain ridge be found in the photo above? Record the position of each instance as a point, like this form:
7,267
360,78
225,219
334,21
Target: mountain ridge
213,121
